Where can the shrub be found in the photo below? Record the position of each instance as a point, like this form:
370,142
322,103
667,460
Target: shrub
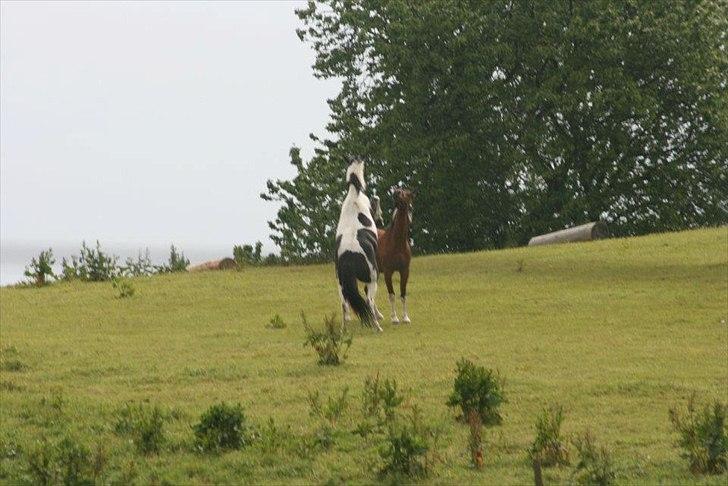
380,399
99,266
332,410
93,265
63,462
548,448
703,436
144,424
246,255
274,439
222,427
594,466
40,269
176,263
140,267
276,323
408,448
331,344
123,288
477,389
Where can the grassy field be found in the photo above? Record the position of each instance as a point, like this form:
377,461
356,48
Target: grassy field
617,331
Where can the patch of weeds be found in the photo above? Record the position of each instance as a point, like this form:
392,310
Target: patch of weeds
331,344
703,436
332,410
276,323
55,402
222,427
273,438
478,389
548,448
409,450
64,462
519,265
9,386
13,365
595,465
144,424
380,401
124,288
10,449
329,413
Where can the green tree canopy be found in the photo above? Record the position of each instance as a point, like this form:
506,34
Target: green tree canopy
515,117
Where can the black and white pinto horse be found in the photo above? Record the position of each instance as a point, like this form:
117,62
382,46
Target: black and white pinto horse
356,250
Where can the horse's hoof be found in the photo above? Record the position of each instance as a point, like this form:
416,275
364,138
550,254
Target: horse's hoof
406,319
395,320
379,328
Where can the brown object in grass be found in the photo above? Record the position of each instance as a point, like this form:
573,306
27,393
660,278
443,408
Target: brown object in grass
223,264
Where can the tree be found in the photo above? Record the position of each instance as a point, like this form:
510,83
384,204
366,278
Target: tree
515,117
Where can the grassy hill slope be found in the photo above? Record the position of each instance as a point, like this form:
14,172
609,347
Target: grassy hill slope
617,331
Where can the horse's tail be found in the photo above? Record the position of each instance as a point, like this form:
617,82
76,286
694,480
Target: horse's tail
347,273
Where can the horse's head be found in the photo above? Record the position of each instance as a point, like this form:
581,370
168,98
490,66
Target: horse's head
355,173
403,198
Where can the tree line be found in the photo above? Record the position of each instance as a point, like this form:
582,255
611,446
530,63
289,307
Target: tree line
512,118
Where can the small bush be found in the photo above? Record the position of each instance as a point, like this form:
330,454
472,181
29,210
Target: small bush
332,410
64,462
595,466
93,265
144,424
140,267
380,399
408,449
123,288
276,323
176,263
275,439
40,269
245,255
703,436
99,266
332,344
548,448
222,427
477,389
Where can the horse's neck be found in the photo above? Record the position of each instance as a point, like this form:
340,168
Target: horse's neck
400,226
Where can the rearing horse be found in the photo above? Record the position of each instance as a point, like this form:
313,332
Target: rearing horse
394,252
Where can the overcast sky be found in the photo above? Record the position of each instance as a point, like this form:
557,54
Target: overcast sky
150,123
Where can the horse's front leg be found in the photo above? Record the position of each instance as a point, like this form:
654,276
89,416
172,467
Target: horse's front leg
403,276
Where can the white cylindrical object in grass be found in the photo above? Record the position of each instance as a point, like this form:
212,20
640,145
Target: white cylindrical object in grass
585,232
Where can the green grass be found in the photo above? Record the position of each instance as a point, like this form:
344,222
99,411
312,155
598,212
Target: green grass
617,331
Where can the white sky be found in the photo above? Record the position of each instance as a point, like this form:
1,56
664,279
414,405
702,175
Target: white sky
150,123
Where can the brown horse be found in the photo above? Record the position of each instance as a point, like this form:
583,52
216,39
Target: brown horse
394,252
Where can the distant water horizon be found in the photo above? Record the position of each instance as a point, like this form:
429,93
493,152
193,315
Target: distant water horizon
15,255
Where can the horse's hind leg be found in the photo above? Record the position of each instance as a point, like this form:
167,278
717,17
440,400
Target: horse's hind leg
371,290
403,277
345,314
374,306
390,290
